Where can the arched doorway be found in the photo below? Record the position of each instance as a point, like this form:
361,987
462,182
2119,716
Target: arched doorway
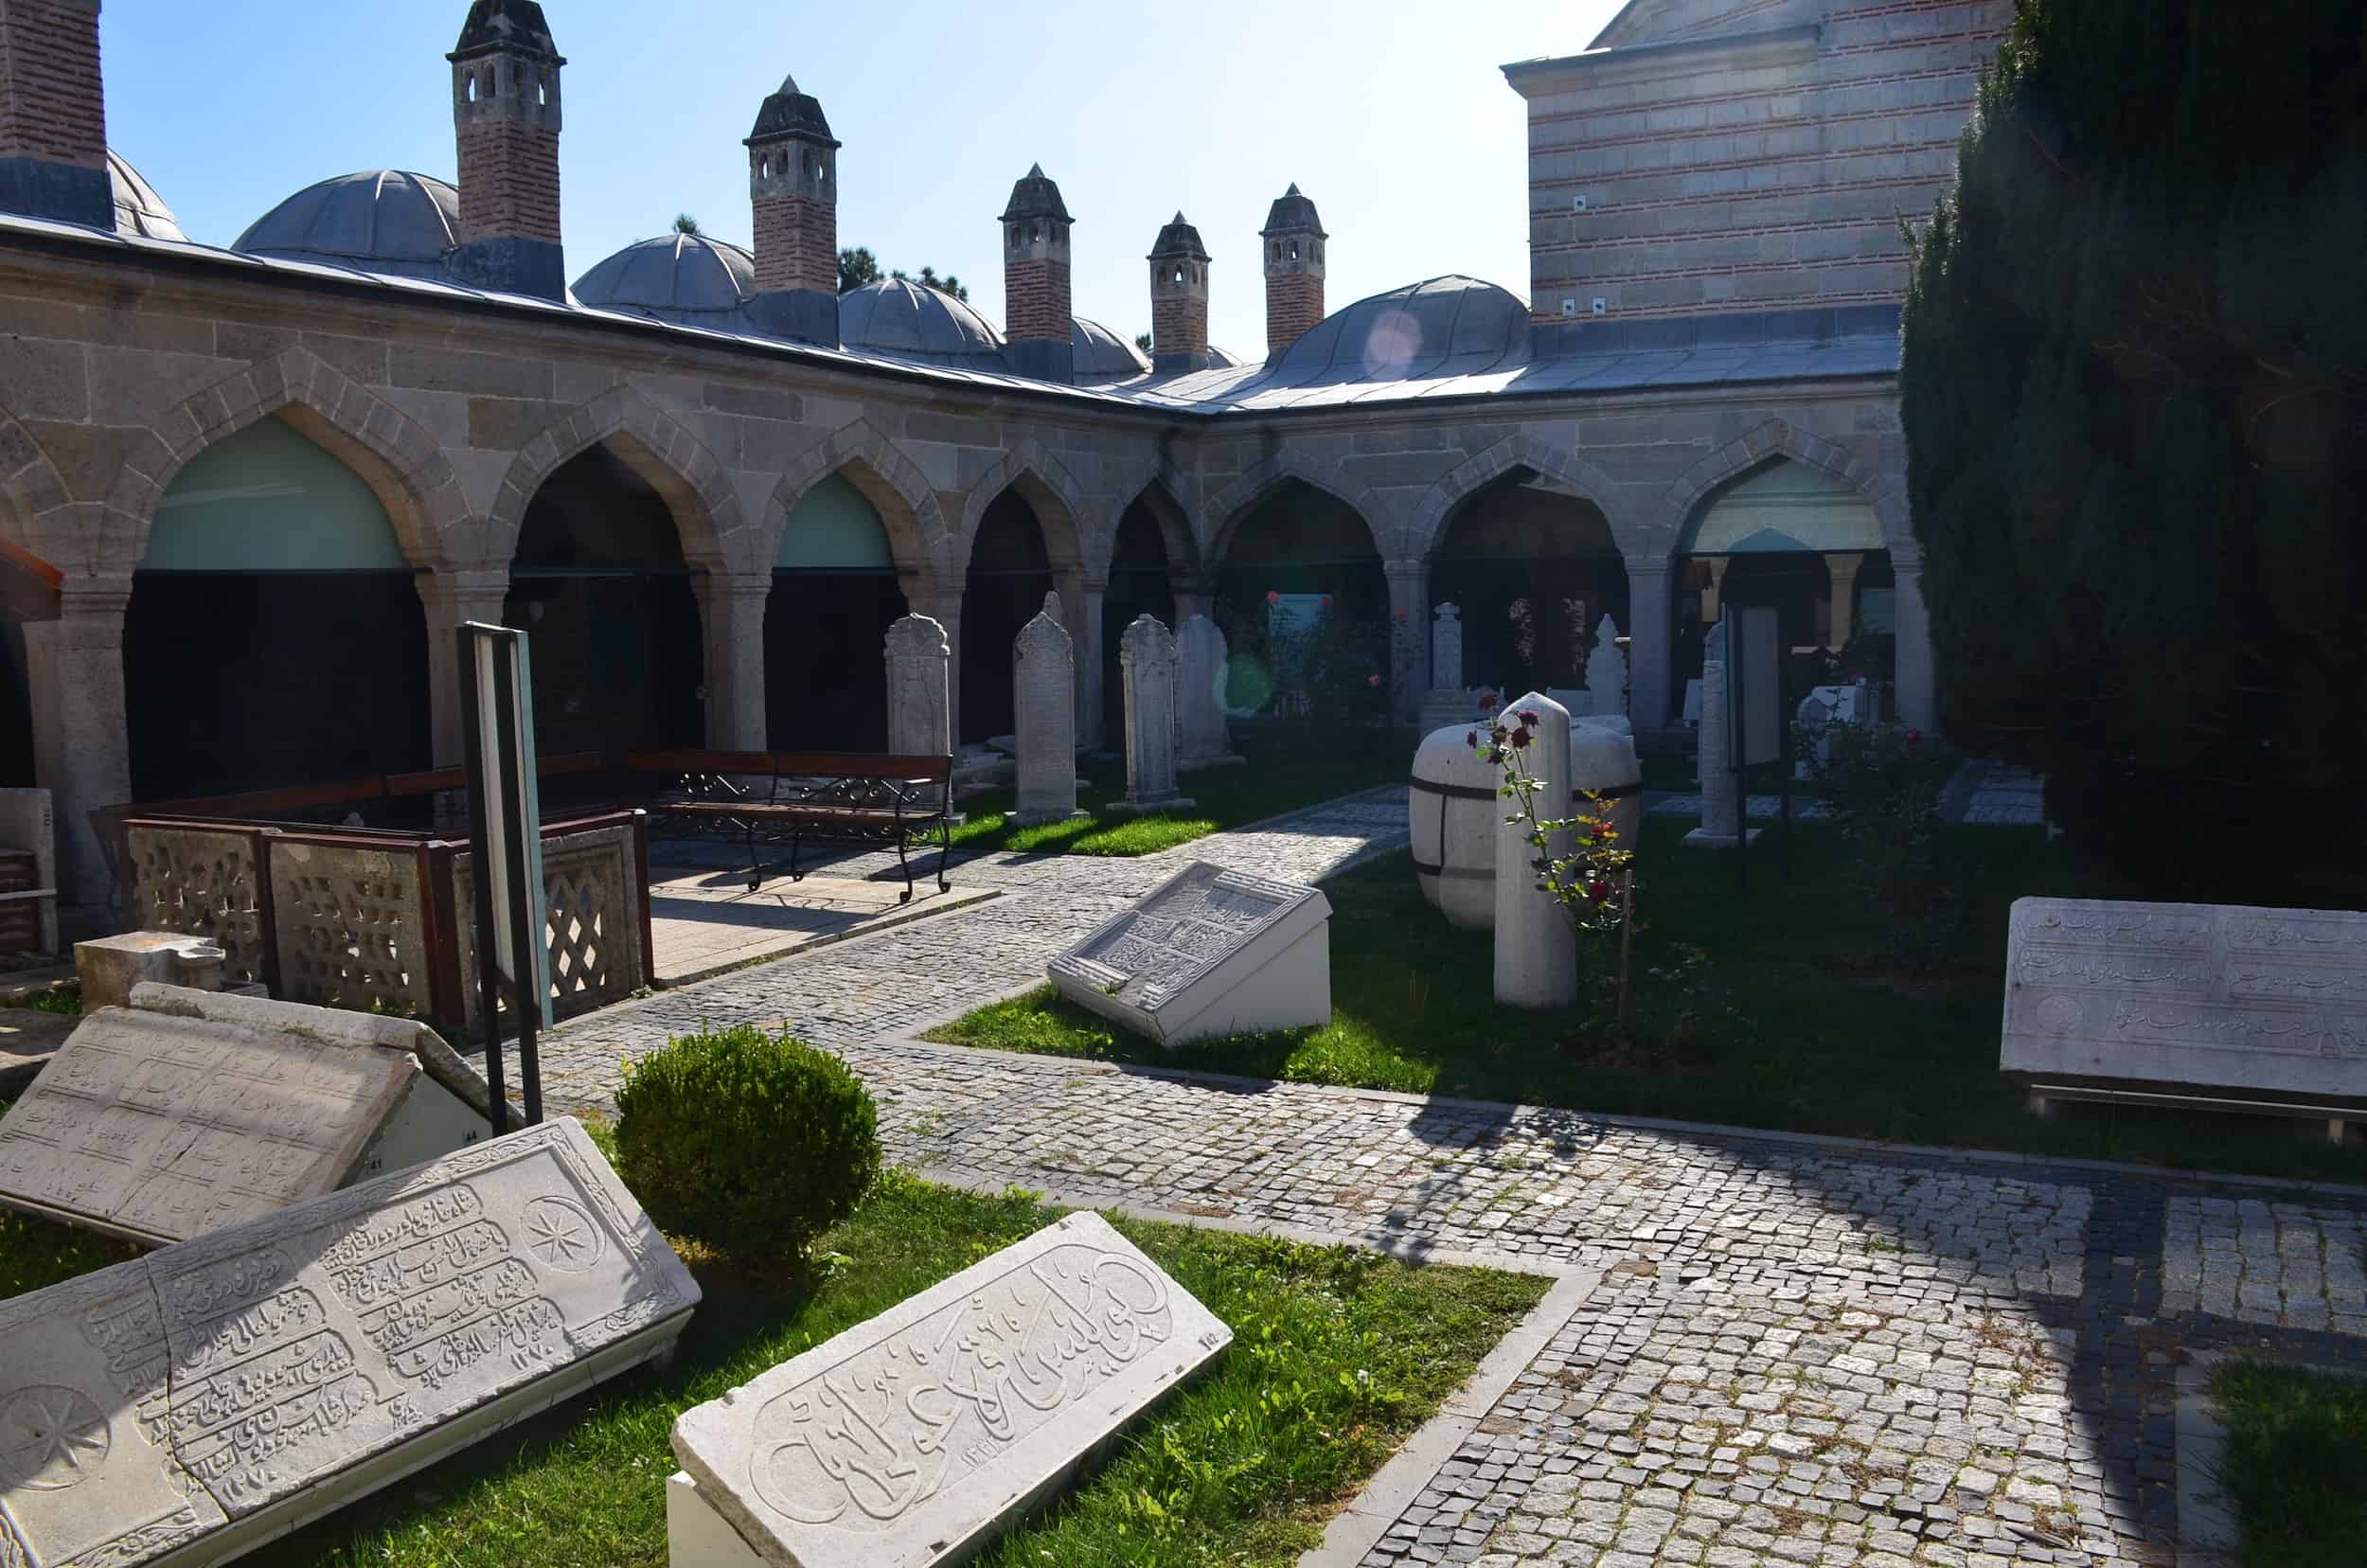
273,635
599,586
1303,602
1533,569
1010,571
834,596
1140,584
1807,543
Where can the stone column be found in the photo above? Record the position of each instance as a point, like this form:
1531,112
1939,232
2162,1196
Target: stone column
731,609
1147,663
1200,654
1194,596
920,681
1537,949
1409,634
1721,803
1717,565
1043,691
1914,679
451,601
1081,616
1843,569
82,746
1648,650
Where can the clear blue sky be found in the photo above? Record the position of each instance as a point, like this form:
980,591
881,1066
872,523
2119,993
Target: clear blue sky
1391,113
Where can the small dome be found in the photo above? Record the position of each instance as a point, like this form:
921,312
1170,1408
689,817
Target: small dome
686,278
893,316
1101,355
138,209
1446,326
381,220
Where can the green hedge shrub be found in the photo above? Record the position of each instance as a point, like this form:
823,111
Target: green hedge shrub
752,1144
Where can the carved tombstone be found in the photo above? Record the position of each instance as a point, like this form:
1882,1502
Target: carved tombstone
192,1404
1446,702
1146,665
920,665
188,1111
1200,658
1043,687
1607,672
915,1439
1721,789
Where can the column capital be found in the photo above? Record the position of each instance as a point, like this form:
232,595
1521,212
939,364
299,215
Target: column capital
97,596
443,590
1649,566
1404,571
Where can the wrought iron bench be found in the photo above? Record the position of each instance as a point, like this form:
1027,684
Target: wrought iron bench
773,797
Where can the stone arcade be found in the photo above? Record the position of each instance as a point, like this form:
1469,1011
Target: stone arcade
220,1393
1699,397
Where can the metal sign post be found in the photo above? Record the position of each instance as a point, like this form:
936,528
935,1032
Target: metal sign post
505,835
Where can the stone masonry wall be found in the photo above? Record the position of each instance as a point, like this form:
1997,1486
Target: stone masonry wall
797,241
1035,300
1178,324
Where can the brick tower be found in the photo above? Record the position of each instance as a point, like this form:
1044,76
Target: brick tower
1036,309
1179,299
53,113
1294,269
505,110
793,186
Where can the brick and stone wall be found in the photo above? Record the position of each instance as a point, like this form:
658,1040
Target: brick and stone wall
52,106
1178,324
508,181
1746,157
797,241
1036,299
1294,302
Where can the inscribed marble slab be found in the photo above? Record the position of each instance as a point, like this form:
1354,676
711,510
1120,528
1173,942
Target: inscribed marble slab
911,1439
216,1393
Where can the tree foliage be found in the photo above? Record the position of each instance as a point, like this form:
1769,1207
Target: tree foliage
2135,399
857,266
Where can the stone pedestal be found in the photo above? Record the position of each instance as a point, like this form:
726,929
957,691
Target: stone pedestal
732,611
110,965
1146,664
1537,949
1044,688
1200,658
1721,797
919,680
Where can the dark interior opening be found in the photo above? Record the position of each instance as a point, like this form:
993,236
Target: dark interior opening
1010,571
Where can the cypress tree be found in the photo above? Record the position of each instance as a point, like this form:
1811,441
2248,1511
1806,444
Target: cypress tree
2134,389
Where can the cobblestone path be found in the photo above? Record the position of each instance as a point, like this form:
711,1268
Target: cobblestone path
1788,1350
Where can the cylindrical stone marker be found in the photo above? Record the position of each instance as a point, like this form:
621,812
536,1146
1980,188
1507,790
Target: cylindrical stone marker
1537,951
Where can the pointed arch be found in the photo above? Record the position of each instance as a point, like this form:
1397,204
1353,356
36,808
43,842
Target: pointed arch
1178,529
1049,489
392,452
862,455
1518,450
29,485
1224,515
1779,439
654,444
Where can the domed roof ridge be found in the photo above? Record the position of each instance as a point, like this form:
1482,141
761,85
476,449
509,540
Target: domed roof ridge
1101,355
899,316
677,276
1450,324
377,220
138,209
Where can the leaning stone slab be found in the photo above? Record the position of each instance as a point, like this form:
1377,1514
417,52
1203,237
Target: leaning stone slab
913,1439
191,1405
191,1110
1207,952
2269,1001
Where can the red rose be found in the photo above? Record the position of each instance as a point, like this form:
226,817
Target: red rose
1487,698
1519,740
1400,614
1372,680
1914,737
1273,598
1472,739
1530,718
1598,890
1602,832
1324,603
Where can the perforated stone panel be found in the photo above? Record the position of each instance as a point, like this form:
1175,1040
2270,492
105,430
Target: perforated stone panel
592,883
200,883
346,923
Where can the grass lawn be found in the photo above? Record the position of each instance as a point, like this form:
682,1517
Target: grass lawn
1268,785
2296,1452
1771,1007
1338,1355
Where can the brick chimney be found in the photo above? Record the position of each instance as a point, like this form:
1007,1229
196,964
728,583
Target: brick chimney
1037,318
793,186
505,110
53,113
1294,269
1179,299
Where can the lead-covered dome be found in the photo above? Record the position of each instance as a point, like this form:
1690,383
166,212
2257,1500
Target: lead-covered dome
685,278
1446,327
381,220
914,321
1101,355
138,209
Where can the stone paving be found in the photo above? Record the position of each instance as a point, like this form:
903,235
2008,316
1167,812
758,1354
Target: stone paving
1794,1350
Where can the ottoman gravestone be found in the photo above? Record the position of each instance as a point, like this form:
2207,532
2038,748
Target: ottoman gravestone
1445,701
1202,657
920,708
1537,951
1146,665
1205,953
913,1439
1607,672
191,1405
1722,787
2218,999
189,1111
1043,685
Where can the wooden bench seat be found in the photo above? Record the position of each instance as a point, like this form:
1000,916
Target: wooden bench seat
840,796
